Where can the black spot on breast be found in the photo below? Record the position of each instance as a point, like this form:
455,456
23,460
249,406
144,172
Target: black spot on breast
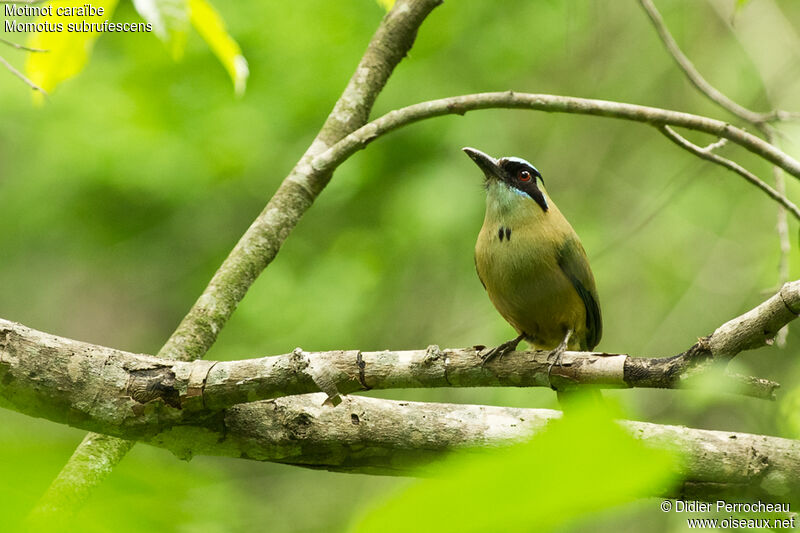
508,234
501,233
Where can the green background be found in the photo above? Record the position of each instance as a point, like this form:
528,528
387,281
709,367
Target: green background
121,196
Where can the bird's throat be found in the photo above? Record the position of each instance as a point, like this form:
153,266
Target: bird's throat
509,206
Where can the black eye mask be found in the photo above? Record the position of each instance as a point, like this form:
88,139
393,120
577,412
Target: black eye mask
523,176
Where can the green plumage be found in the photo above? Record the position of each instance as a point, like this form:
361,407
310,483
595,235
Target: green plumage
532,263
573,262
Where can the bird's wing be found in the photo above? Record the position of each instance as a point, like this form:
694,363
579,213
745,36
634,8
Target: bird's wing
573,262
478,270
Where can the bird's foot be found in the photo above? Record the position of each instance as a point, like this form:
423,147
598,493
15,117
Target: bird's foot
500,351
554,357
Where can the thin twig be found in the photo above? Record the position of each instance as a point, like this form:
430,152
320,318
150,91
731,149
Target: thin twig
716,144
708,155
782,227
21,47
700,82
759,120
773,136
787,115
21,76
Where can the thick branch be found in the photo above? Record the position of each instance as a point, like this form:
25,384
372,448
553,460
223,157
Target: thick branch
375,436
384,437
757,327
126,394
380,436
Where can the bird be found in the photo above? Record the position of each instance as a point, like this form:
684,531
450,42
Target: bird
532,263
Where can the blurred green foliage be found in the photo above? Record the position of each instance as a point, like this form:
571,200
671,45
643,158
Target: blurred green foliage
65,53
550,481
122,195
66,50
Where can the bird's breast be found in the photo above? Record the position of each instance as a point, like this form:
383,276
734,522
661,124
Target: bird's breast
518,263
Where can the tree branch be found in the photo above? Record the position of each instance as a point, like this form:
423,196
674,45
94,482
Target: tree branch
700,82
374,436
135,395
21,76
460,105
18,46
371,435
708,155
260,243
759,120
782,226
93,460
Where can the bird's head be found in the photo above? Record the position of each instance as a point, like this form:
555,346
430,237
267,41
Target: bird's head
514,173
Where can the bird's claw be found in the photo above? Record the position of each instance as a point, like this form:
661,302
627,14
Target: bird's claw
496,352
499,351
554,357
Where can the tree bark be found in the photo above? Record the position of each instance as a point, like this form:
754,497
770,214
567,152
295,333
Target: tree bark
135,395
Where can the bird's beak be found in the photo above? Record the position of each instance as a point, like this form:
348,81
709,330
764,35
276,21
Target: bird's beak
486,163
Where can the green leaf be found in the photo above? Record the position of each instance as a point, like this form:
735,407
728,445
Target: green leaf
581,464
211,27
170,20
67,52
386,4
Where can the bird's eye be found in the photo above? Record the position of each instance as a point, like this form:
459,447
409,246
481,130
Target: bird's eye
524,175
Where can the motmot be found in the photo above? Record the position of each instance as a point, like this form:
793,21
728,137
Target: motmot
532,263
